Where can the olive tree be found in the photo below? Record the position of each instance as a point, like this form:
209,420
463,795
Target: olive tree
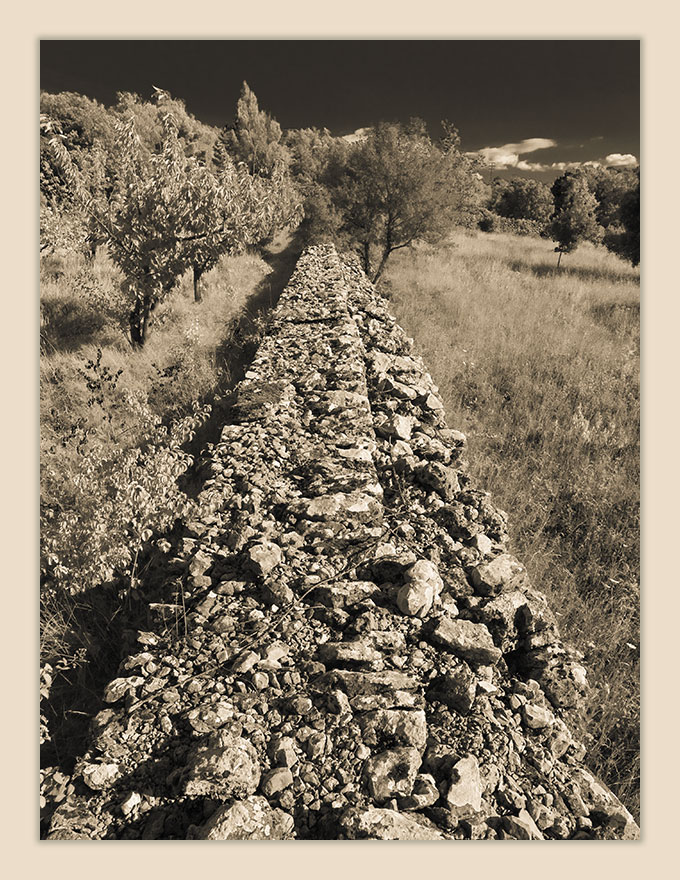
394,187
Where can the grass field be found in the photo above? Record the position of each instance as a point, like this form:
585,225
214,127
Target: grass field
540,368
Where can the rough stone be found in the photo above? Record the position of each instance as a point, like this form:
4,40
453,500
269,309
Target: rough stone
471,641
119,687
502,574
401,727
357,653
442,479
338,485
422,589
388,683
264,557
381,824
223,766
248,819
276,780
464,796
425,794
522,827
537,717
456,689
100,776
392,773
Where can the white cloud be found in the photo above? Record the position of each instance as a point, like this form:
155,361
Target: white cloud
507,156
557,166
621,159
360,134
522,165
530,145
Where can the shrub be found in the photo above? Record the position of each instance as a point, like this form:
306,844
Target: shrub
101,503
491,222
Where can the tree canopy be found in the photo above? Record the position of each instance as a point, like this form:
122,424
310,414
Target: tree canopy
610,186
522,199
624,239
165,211
394,187
574,218
255,137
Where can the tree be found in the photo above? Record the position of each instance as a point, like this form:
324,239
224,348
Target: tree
610,186
522,199
168,213
197,139
87,128
214,205
317,159
308,149
230,210
624,240
394,187
573,220
255,138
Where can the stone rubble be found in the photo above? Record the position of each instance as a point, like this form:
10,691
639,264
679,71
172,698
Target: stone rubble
356,654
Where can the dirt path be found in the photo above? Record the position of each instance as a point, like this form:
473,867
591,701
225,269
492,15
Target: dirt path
238,349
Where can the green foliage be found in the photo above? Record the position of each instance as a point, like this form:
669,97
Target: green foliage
309,150
62,230
489,221
522,199
255,138
149,208
624,240
396,187
197,139
574,219
317,160
167,212
84,125
610,186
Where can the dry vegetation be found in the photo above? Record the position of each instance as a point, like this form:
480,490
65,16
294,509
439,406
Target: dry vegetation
541,369
116,426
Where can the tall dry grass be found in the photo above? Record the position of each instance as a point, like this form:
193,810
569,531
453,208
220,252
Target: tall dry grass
540,368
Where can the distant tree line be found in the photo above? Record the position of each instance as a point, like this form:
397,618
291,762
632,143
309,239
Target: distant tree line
593,203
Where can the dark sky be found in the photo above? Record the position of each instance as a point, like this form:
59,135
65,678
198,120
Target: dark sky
582,94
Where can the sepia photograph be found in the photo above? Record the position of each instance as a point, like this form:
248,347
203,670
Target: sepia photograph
339,439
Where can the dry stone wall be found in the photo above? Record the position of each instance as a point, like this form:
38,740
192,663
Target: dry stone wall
363,657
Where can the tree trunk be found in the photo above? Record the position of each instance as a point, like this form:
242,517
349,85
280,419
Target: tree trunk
198,287
91,247
367,258
559,257
139,321
385,255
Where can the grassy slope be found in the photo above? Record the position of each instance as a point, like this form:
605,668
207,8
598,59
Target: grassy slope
194,352
541,370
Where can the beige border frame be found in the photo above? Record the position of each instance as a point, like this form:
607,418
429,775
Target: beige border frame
655,23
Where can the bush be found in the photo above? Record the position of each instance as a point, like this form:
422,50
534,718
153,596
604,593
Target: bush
102,499
491,222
